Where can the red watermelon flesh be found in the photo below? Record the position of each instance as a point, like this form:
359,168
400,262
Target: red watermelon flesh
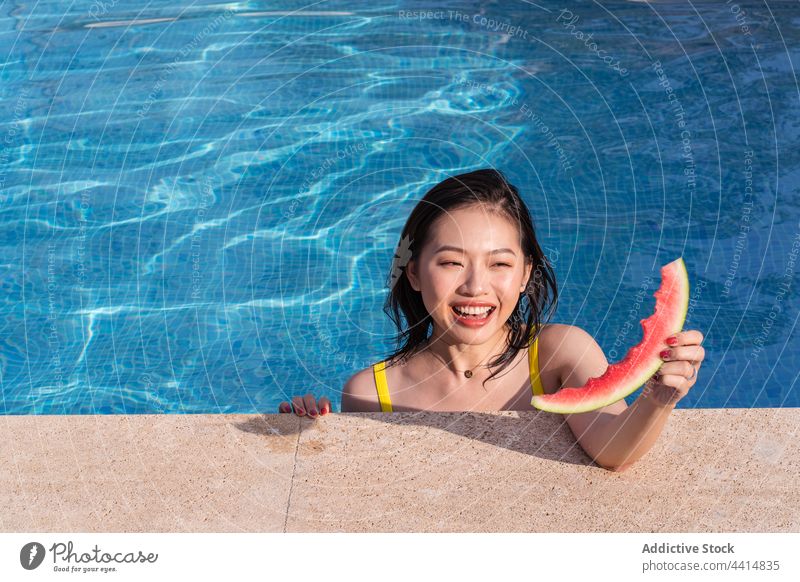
641,361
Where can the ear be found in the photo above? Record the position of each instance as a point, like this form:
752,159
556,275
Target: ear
411,273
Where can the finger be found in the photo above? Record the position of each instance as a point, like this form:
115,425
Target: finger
686,338
325,405
299,407
679,383
690,353
680,368
284,407
311,405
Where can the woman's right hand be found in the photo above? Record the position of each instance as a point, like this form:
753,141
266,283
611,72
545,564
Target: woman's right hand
306,405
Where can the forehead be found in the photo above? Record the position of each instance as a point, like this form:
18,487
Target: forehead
475,228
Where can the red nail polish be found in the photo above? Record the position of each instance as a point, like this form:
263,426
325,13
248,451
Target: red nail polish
672,341
664,354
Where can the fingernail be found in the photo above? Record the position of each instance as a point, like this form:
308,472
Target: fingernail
301,411
672,340
664,354
324,412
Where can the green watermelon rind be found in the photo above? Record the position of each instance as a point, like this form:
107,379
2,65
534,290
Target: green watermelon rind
555,403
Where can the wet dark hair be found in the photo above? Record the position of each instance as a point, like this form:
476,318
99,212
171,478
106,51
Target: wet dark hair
490,188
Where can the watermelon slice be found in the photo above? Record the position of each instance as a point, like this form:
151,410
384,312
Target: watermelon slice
641,361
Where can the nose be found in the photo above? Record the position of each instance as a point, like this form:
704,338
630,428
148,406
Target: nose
474,283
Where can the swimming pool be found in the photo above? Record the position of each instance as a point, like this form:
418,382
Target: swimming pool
200,202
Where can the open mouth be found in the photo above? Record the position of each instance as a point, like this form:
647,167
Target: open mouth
473,313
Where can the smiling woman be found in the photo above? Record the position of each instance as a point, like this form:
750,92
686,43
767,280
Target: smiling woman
465,296
471,291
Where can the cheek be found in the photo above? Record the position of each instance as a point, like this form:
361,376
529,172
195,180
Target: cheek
507,283
437,287
507,288
439,295
440,281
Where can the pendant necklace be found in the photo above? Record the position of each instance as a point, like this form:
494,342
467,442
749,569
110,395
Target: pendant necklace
467,373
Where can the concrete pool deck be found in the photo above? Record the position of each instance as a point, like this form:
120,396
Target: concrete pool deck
712,470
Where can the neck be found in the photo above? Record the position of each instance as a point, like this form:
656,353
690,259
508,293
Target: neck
456,358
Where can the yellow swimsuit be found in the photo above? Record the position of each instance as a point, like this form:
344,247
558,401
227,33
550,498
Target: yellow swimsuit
383,388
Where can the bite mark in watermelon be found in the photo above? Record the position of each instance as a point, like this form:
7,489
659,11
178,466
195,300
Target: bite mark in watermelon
641,361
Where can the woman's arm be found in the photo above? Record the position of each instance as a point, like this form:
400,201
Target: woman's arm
618,435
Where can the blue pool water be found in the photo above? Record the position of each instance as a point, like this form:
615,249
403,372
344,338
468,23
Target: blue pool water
200,202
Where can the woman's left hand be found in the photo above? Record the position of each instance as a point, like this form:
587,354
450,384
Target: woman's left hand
676,376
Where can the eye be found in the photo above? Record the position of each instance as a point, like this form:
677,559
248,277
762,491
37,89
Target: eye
502,264
451,263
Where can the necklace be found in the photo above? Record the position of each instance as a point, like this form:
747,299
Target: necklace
467,373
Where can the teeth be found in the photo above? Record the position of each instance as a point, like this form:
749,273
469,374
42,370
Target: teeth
464,310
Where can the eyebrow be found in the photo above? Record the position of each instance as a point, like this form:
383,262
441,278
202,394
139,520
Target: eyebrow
458,250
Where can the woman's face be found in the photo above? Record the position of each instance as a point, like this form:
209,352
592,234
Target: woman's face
470,273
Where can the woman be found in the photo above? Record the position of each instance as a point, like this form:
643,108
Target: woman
470,305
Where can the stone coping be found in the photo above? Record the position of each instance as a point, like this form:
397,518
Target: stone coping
712,470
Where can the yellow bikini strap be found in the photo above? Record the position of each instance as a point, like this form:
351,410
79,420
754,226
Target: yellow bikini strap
383,387
533,366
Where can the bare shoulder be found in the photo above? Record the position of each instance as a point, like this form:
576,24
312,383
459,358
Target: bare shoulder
565,349
562,332
359,393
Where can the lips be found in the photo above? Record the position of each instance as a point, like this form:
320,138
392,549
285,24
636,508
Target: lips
473,315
